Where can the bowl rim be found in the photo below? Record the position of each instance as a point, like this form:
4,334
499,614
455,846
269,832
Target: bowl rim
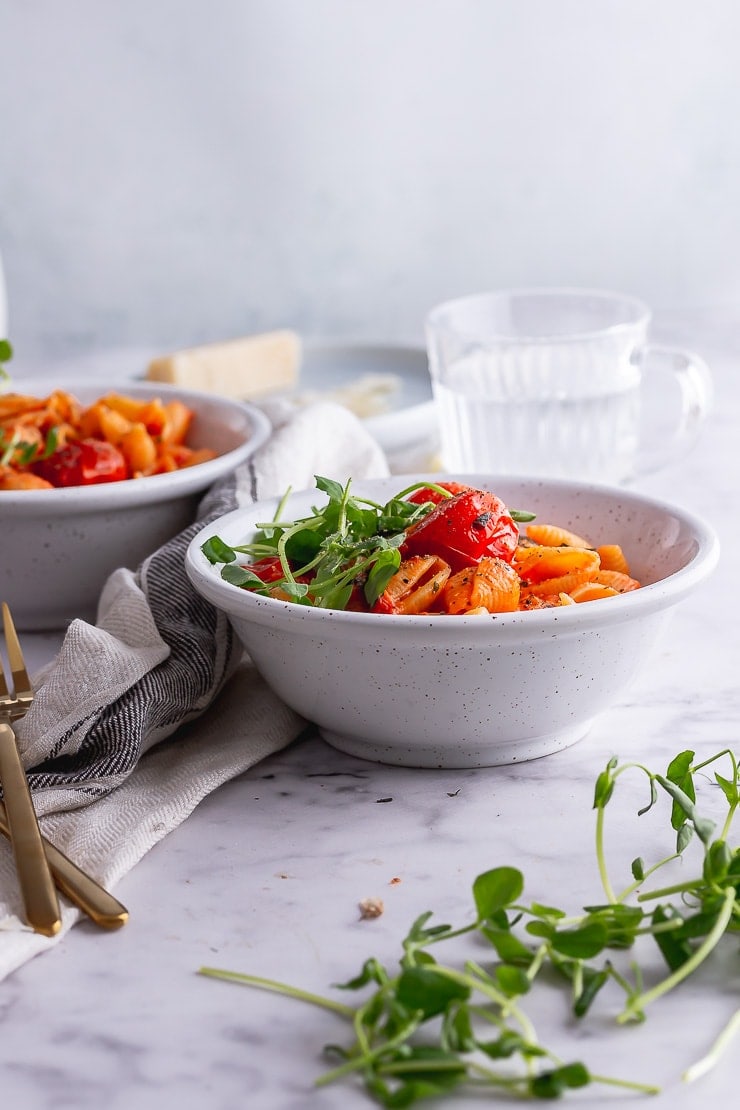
155,487
651,597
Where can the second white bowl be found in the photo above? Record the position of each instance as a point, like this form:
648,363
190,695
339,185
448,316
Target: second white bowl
60,545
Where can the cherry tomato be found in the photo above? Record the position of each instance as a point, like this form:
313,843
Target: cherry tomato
268,569
83,462
464,529
357,602
419,496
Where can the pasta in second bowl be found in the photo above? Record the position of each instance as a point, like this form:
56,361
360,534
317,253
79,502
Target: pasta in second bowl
61,544
431,689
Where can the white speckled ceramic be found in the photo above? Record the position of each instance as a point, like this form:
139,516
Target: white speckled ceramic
469,691
58,546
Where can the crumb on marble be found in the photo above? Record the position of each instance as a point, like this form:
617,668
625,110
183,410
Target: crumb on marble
371,907
394,881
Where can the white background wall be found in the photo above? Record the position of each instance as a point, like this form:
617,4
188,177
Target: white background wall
177,171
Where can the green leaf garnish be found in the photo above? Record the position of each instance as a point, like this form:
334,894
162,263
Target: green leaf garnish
51,444
402,1060
216,551
350,543
6,354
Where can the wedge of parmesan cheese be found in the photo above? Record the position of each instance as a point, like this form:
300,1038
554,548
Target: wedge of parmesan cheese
240,368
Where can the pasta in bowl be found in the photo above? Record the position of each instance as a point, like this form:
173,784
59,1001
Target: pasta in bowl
63,537
57,440
436,686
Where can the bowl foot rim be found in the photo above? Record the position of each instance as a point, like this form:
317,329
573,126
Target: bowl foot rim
497,753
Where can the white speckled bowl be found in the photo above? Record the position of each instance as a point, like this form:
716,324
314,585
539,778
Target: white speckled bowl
58,546
469,691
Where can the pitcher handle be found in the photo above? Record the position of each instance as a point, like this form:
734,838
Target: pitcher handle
694,380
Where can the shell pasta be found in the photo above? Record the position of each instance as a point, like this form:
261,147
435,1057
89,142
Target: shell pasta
540,576
445,549
53,441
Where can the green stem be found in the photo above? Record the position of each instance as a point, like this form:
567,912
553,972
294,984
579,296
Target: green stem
453,933
406,1067
422,485
713,759
623,894
600,858
539,958
278,988
366,1058
342,520
479,981
622,982
713,936
281,545
645,1088
728,823
701,1067
666,891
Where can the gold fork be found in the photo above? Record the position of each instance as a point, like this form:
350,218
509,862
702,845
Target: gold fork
37,886
81,889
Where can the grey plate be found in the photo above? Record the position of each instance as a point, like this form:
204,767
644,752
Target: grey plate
411,417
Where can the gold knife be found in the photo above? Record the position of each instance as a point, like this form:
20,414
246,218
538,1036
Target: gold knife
78,886
39,896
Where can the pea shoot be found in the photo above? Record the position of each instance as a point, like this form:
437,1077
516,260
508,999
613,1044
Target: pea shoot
428,1028
349,543
6,354
14,448
349,540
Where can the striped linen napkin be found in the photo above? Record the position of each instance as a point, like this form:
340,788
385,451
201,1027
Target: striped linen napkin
105,784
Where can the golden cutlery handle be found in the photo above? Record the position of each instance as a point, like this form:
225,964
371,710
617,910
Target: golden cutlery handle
84,891
81,889
37,886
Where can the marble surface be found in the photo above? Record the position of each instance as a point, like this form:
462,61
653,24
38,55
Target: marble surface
268,873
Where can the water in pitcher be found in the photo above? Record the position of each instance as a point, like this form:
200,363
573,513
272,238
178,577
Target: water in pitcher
592,436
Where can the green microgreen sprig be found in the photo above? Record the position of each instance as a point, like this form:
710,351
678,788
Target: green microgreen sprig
428,1028
6,354
349,542
14,449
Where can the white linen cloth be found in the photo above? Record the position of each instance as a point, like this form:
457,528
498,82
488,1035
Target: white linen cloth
118,744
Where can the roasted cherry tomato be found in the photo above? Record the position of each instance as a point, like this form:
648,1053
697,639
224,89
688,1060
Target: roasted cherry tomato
268,569
464,529
357,602
419,496
83,462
